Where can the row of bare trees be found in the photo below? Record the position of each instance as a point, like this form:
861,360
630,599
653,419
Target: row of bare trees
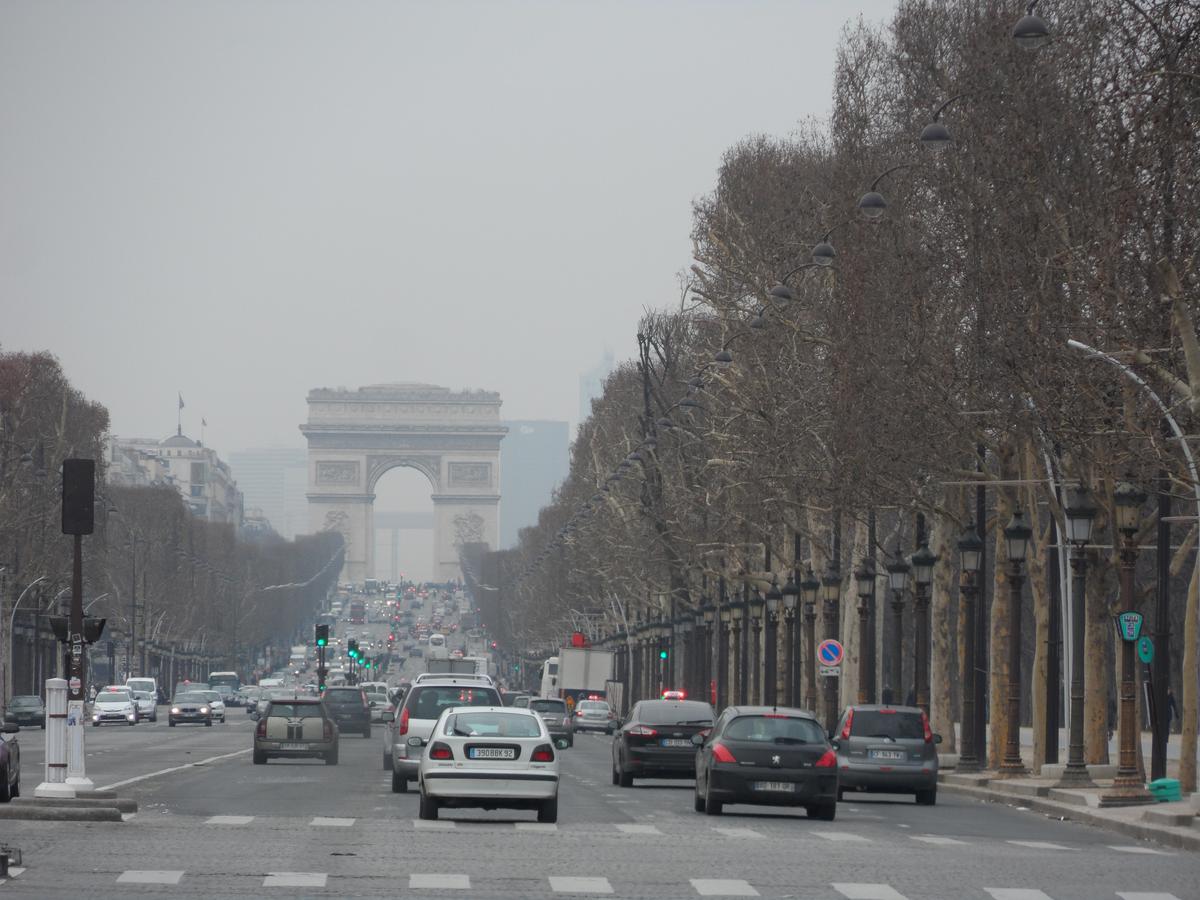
177,583
784,394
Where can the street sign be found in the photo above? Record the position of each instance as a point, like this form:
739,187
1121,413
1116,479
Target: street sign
1129,625
830,653
1145,649
831,671
75,684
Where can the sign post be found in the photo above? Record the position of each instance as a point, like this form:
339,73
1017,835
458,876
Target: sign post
78,509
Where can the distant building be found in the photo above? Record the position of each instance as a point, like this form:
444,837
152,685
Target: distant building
275,479
202,478
533,462
591,383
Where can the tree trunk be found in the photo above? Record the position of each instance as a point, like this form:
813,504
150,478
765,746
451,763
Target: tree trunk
943,670
1097,632
999,632
850,639
1188,699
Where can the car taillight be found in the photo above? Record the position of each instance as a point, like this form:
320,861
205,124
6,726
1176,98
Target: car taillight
846,727
928,730
440,751
579,712
828,760
404,721
642,731
328,730
721,754
544,753
261,729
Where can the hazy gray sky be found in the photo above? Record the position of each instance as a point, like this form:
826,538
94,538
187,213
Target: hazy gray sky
244,200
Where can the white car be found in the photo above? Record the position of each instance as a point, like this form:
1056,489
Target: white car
147,705
215,704
114,704
494,757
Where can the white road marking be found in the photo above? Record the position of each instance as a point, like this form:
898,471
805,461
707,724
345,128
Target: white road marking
842,836
440,882
229,820
738,832
1017,894
1129,895
333,822
295,879
14,871
627,828
191,765
432,824
536,826
1038,845
936,839
1134,848
723,887
570,884
149,876
864,891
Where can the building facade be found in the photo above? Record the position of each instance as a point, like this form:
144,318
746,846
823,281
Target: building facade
203,479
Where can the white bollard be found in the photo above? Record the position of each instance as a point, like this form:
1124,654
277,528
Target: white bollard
56,742
77,778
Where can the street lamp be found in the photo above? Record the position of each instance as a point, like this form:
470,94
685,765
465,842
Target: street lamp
774,600
810,589
1127,788
1031,31
1080,514
871,204
738,610
898,575
1016,539
864,579
831,590
755,606
970,553
790,598
922,563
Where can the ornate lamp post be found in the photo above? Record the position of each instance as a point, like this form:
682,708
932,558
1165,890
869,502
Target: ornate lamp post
1128,788
970,552
810,589
922,563
791,597
723,676
709,614
898,573
864,579
755,606
738,610
1016,539
831,591
774,599
1080,515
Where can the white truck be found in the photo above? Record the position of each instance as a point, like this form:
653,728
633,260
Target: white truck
583,673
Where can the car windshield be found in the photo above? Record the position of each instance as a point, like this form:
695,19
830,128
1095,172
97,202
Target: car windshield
550,706
376,697
25,702
427,702
887,724
113,697
142,695
191,698
296,710
344,698
492,724
675,712
774,729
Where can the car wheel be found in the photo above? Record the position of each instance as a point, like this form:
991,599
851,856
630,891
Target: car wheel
927,798
399,783
331,758
608,731
841,794
260,758
626,778
366,732
95,724
429,807
170,723
712,805
616,777
826,812
571,741
16,788
698,803
208,722
548,811
133,721
387,762
6,793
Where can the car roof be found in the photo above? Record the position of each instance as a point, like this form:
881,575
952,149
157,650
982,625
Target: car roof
772,710
515,710
890,707
313,701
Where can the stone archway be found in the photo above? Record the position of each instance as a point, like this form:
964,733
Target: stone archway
451,437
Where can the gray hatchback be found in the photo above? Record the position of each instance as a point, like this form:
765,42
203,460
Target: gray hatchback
887,749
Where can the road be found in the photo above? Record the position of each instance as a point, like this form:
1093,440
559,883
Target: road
220,828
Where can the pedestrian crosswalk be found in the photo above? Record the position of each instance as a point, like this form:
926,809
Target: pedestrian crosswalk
579,885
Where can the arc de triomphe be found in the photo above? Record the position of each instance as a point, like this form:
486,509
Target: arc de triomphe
451,437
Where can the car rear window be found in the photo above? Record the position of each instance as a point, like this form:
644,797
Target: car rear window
428,701
550,706
672,712
21,702
890,724
492,724
295,710
775,729
593,704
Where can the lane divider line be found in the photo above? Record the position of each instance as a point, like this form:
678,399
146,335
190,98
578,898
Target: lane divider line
190,765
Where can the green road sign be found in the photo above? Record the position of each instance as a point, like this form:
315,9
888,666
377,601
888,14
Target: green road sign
1145,649
1129,625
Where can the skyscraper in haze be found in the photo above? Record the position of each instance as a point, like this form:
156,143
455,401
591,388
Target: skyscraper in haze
275,480
591,383
533,462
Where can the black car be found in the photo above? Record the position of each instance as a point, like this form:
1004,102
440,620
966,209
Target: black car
348,707
769,756
26,709
10,762
656,740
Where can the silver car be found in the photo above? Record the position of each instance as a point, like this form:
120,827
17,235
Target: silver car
888,749
595,715
147,705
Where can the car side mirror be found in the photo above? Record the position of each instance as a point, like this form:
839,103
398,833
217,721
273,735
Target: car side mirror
389,717
697,740
415,742
11,728
836,744
937,738
561,743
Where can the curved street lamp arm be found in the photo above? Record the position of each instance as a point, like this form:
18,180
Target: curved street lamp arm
896,168
941,109
801,268
826,235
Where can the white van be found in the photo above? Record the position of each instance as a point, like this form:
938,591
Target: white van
149,685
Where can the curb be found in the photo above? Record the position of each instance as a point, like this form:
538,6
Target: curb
1178,839
61,813
126,805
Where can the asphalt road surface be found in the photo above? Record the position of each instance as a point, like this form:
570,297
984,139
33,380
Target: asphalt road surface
214,825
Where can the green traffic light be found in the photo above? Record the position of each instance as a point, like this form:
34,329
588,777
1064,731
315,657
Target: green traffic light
662,654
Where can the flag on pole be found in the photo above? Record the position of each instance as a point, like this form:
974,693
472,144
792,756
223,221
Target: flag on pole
181,400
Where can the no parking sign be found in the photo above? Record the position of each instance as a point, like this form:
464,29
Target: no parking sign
829,655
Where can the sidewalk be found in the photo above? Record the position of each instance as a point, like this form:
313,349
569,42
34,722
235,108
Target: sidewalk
1170,824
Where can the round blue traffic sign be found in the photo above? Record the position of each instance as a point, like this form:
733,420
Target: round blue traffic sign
830,652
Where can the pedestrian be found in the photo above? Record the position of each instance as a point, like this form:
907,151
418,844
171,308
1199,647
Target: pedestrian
911,700
1112,715
1173,720
92,694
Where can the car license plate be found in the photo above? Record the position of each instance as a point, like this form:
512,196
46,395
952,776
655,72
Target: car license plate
887,754
293,746
674,742
786,787
492,753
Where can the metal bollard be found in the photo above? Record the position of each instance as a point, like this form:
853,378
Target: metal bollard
56,742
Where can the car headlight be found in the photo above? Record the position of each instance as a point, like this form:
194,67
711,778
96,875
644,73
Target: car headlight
96,717
204,709
174,710
132,715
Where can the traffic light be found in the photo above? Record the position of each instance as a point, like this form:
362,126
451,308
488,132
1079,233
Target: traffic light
366,663
322,635
662,654
352,648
